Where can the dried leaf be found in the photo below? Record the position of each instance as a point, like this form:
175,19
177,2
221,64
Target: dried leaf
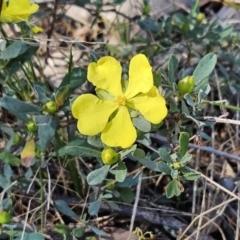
28,152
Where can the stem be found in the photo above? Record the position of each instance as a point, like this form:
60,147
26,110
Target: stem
41,199
196,4
222,105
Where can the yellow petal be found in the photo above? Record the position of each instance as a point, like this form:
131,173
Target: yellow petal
140,76
17,10
151,105
106,74
119,132
92,113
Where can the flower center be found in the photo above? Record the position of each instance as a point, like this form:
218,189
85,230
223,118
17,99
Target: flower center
121,100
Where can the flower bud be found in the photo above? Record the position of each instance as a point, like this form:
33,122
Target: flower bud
110,184
5,217
31,126
176,165
186,85
200,17
16,138
109,156
50,107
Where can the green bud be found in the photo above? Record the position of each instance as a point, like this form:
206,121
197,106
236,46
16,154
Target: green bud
200,17
31,126
50,107
39,152
5,217
186,85
109,156
17,138
110,184
176,165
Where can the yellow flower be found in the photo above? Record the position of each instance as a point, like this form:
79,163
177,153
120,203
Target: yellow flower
110,115
17,10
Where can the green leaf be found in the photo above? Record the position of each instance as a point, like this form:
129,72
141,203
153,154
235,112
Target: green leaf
62,151
203,92
62,229
186,158
95,141
30,236
62,95
149,24
128,182
183,142
127,195
138,154
174,173
41,94
165,155
82,151
191,176
164,168
78,232
149,164
142,124
65,209
9,158
127,151
94,208
4,183
98,231
174,188
77,78
8,171
226,31
189,100
172,67
13,50
121,171
8,130
47,126
200,124
204,68
98,176
19,107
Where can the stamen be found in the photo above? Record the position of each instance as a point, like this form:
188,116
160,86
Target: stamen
121,100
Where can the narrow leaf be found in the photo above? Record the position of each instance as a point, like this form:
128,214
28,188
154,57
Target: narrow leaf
16,106
62,95
172,67
82,151
65,209
183,142
191,176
